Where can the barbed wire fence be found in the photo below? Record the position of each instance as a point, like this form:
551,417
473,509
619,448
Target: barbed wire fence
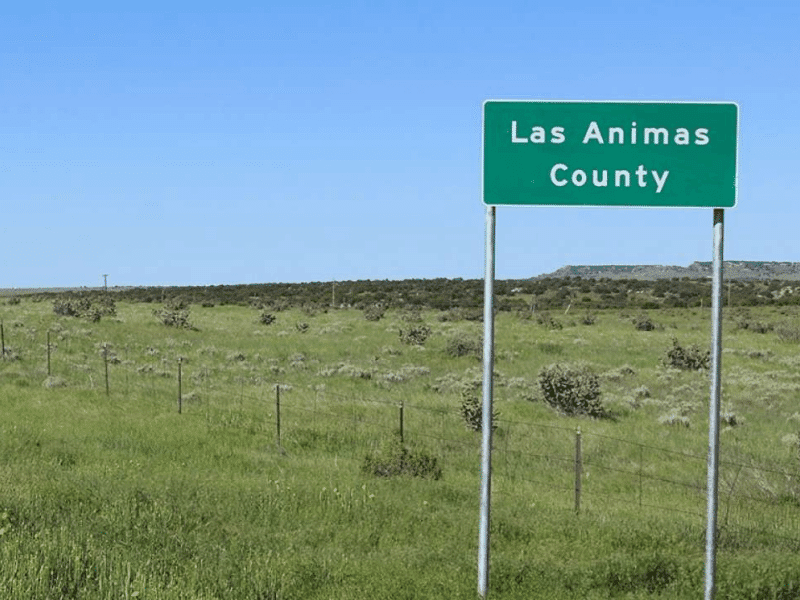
561,466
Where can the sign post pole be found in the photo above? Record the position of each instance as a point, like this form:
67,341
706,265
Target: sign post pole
713,408
486,417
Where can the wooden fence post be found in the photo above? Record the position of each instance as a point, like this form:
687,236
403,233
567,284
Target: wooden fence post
578,470
2,340
48,354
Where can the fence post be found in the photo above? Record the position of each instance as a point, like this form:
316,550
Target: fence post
105,364
2,340
180,397
641,466
48,354
402,406
578,470
278,415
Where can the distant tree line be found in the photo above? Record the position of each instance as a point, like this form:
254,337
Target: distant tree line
520,295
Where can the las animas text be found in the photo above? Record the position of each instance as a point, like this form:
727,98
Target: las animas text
680,136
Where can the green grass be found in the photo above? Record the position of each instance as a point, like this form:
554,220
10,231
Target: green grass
120,496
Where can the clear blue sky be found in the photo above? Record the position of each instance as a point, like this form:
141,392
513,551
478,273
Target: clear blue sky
195,143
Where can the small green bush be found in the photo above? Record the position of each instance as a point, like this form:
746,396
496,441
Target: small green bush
571,389
472,407
174,313
462,343
544,319
412,314
374,312
416,336
86,308
266,318
754,326
691,358
395,460
788,333
642,322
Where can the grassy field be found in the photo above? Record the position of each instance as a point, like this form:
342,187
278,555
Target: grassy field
118,496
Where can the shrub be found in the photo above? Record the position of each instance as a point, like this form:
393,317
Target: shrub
691,358
472,407
374,312
642,322
754,326
545,320
588,319
416,336
412,314
571,389
462,343
461,314
395,459
85,307
266,318
174,313
788,333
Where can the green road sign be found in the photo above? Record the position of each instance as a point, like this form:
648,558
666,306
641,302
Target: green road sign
655,154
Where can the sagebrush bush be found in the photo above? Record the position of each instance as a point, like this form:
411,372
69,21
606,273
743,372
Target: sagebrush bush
86,308
642,322
690,358
374,312
472,407
571,389
544,319
416,336
412,314
754,326
266,318
174,313
462,343
788,333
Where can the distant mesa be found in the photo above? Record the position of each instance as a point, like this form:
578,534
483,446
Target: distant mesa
732,269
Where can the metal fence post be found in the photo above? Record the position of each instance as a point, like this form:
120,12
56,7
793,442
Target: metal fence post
105,365
278,415
402,406
180,396
578,470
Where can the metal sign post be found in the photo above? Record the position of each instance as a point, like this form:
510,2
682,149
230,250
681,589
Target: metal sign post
486,416
713,407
